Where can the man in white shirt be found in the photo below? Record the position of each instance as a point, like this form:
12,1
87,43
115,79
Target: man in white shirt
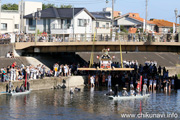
109,80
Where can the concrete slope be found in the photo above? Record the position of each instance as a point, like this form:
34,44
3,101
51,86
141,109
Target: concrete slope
4,62
34,61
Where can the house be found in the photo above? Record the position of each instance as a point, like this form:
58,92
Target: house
10,19
133,20
102,24
61,21
162,26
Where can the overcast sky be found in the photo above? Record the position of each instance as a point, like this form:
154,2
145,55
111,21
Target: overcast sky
159,9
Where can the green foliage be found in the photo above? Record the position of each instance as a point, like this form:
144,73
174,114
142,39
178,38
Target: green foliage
171,30
38,32
45,6
66,6
139,29
123,29
10,6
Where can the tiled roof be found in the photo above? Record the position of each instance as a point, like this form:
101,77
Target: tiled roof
136,17
100,15
58,13
162,23
117,14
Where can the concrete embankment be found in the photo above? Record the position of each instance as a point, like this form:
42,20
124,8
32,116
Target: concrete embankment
48,83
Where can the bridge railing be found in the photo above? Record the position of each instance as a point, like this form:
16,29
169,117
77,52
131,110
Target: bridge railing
99,37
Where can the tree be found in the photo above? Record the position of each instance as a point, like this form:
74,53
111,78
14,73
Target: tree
123,29
45,6
10,6
66,6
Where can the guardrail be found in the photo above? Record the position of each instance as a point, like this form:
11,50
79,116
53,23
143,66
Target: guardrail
99,37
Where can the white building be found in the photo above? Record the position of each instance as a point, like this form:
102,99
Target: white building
10,19
130,20
102,24
60,21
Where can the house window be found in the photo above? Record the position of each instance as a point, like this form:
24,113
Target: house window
97,24
107,25
53,26
104,26
16,26
80,22
4,26
32,22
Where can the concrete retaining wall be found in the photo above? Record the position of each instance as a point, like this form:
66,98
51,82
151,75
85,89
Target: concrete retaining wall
75,81
47,83
173,70
5,48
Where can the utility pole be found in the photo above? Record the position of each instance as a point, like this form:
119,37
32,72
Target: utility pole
146,15
112,14
21,16
73,22
112,18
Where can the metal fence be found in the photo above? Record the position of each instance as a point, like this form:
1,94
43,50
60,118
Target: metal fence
99,37
5,41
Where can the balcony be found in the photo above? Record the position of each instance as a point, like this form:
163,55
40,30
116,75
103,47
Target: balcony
58,29
32,28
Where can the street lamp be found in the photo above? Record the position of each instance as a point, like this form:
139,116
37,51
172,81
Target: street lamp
176,15
36,16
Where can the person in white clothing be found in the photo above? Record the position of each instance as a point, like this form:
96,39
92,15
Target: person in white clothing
154,84
13,74
109,80
145,80
66,70
150,84
92,81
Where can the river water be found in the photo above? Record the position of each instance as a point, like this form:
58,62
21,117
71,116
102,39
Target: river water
89,104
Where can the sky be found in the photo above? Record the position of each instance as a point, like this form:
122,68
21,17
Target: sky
157,9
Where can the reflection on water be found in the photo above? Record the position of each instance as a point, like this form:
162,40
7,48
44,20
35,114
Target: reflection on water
90,103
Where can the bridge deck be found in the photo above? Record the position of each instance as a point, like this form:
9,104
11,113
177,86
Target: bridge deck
23,45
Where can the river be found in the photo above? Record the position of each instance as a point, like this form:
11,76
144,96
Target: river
89,104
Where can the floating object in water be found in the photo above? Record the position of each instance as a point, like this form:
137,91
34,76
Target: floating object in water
71,91
128,97
77,89
110,93
18,93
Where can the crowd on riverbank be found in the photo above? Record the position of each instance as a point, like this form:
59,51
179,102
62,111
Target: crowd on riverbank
14,72
155,77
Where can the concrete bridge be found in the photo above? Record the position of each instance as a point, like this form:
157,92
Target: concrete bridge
47,47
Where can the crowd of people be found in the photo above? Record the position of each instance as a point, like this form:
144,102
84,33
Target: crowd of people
14,72
153,77
40,38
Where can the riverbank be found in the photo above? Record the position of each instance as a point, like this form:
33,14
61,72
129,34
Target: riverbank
48,82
